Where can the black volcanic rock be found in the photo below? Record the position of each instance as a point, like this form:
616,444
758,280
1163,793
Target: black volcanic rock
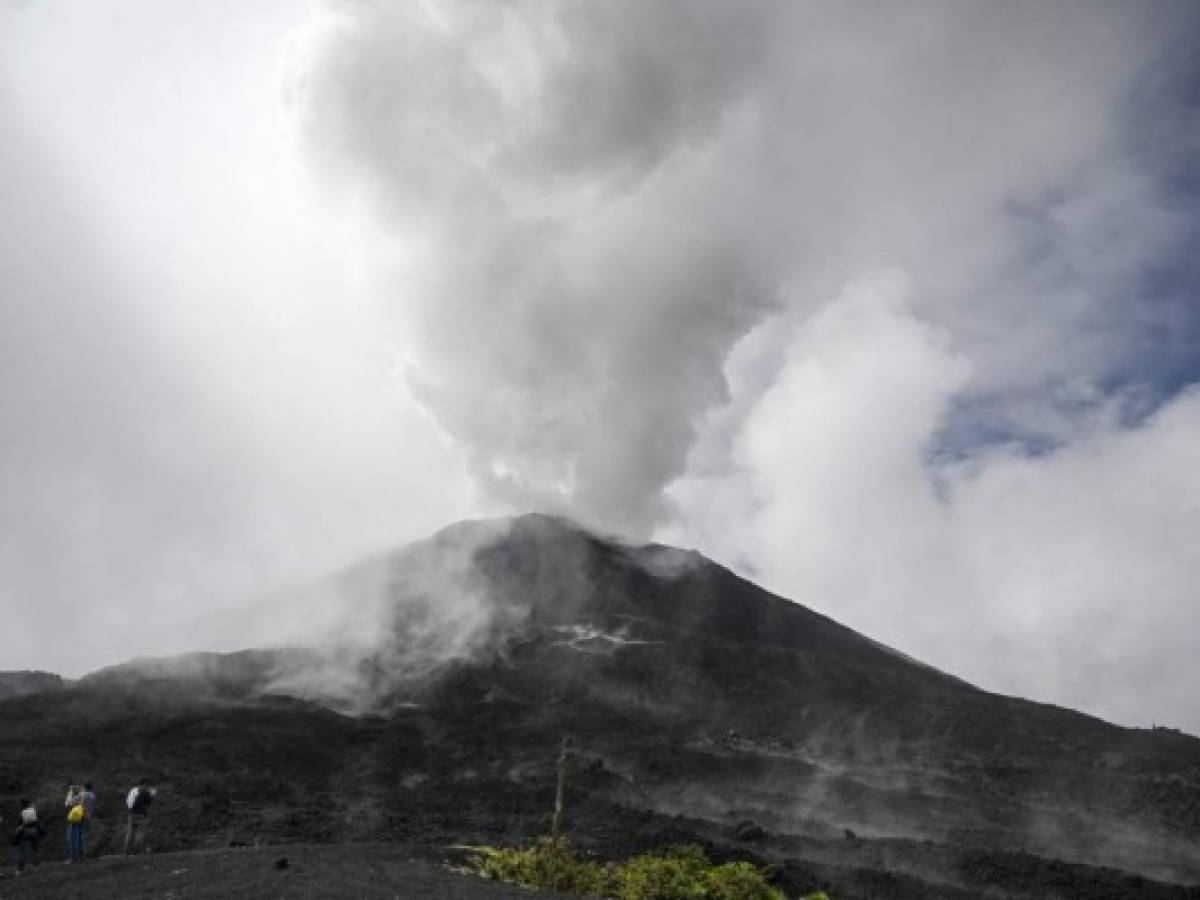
695,700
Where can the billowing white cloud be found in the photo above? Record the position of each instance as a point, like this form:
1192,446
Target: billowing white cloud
1069,575
192,411
591,207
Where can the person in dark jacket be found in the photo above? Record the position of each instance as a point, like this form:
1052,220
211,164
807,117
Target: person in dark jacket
27,836
88,797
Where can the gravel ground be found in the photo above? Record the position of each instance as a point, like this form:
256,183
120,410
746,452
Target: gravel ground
333,871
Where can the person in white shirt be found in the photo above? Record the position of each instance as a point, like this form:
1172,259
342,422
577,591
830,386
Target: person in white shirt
138,803
27,836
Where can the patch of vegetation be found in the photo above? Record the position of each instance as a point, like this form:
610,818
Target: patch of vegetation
549,863
680,873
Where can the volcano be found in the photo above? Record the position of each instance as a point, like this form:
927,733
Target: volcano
699,708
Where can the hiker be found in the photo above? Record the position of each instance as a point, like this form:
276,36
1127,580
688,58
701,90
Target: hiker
138,802
26,837
28,812
81,806
89,812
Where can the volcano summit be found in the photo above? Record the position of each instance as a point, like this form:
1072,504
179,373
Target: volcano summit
700,708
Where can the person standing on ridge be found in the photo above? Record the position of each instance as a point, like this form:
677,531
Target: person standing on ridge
88,799
138,803
81,806
28,812
26,837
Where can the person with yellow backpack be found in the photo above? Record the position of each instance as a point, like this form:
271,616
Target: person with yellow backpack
81,806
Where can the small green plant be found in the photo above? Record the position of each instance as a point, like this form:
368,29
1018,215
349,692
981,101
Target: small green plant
681,873
740,881
678,873
549,863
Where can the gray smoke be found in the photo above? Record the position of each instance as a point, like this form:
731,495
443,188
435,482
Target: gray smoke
569,284
592,204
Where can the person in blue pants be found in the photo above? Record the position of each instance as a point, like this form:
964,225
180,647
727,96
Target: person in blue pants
81,806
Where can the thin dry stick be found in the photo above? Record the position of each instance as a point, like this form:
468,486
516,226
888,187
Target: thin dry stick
556,826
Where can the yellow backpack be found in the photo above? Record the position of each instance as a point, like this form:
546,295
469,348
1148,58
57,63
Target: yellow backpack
75,814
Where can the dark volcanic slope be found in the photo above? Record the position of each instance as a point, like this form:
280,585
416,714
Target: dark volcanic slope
18,684
688,692
725,697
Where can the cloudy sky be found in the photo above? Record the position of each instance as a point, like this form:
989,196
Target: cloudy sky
890,307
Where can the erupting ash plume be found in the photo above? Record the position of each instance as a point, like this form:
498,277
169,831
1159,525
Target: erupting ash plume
591,206
567,282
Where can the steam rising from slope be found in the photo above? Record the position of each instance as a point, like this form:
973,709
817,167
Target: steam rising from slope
385,627
391,620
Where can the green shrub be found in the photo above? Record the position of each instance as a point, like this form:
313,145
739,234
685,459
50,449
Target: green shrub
681,873
740,881
550,864
675,875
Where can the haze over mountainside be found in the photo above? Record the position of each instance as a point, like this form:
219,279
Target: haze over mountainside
18,684
699,707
